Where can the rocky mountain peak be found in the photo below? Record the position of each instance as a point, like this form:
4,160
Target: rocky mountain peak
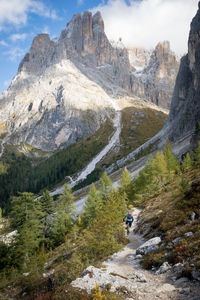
155,78
41,41
97,22
40,55
163,48
83,36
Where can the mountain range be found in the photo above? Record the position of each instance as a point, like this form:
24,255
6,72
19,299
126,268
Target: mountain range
66,88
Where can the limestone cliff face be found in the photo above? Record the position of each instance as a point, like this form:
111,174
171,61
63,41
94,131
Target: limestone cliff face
185,106
155,81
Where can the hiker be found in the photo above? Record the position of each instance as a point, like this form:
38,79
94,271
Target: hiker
128,218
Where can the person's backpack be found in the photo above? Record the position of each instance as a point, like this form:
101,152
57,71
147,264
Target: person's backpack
129,217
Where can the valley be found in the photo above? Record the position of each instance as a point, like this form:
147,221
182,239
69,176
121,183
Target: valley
90,129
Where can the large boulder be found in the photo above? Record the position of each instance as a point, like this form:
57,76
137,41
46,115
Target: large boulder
149,246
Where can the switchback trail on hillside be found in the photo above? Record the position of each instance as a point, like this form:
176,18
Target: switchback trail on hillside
124,269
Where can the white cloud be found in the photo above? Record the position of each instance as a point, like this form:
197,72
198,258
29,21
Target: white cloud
16,11
18,36
147,22
15,53
3,43
80,2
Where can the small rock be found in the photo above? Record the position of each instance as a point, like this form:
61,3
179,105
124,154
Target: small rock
188,234
139,277
166,288
173,278
192,265
181,280
139,256
186,291
46,275
175,241
164,268
47,265
178,267
192,216
196,275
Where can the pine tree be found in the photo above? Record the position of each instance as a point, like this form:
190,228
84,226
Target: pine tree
106,186
47,209
160,168
24,208
92,204
67,199
187,163
47,203
64,218
172,163
197,154
26,218
125,179
106,232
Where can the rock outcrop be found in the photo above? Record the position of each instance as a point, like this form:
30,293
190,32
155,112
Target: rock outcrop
155,81
185,106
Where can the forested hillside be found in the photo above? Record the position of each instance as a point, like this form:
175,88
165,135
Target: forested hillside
18,173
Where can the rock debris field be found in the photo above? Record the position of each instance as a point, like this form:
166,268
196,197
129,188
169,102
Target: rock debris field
123,273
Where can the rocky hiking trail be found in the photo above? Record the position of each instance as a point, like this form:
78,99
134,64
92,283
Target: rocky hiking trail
122,272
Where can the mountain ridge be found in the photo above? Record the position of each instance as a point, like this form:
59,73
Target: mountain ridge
64,90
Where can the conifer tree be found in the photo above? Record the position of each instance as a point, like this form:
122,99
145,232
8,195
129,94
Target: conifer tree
106,233
91,207
47,203
197,154
66,199
106,186
125,179
172,163
187,163
24,208
25,217
47,209
65,212
160,168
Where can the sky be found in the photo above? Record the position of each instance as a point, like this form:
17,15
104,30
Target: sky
141,23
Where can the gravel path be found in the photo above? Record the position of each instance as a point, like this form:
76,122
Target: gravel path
146,284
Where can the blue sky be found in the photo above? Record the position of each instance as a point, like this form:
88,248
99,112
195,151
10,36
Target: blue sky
136,21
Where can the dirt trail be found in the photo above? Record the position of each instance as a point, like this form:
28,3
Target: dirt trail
147,284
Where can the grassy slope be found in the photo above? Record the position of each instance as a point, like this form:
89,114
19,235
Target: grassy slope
138,126
168,214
